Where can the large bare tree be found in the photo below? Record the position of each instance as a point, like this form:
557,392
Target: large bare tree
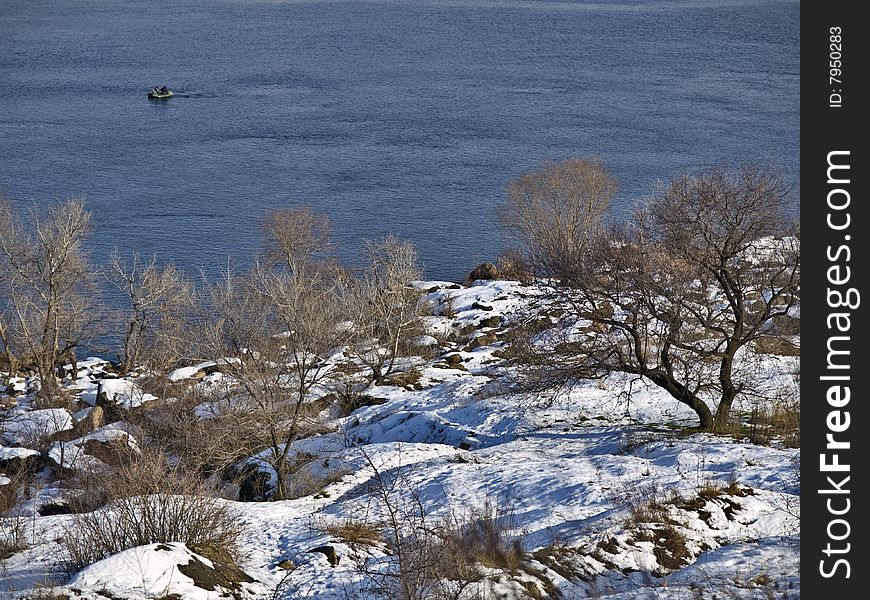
699,272
48,294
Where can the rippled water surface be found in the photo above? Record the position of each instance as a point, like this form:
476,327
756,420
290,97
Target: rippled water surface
395,116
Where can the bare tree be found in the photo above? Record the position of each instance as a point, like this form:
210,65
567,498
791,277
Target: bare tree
703,269
49,292
273,330
295,238
383,305
554,210
7,289
159,302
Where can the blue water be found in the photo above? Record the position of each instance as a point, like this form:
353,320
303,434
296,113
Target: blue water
395,116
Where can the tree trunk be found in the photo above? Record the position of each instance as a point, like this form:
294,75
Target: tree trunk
681,393
11,361
729,392
705,417
724,411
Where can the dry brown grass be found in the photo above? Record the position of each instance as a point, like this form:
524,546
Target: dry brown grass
356,532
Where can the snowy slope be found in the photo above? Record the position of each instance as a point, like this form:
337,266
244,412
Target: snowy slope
606,488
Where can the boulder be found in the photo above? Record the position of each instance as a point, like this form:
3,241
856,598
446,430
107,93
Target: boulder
93,419
483,272
287,565
254,485
493,321
19,460
484,339
208,571
329,552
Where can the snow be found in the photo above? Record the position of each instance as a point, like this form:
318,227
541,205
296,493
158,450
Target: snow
27,428
183,373
7,453
17,385
567,470
74,455
147,572
122,392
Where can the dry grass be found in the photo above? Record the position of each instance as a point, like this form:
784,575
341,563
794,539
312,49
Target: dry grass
780,422
13,524
356,532
645,503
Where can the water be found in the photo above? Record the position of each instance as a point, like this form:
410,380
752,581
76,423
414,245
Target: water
396,116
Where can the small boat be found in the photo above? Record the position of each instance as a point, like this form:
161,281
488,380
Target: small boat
160,93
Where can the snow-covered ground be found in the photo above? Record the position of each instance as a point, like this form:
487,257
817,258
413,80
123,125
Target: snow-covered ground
604,487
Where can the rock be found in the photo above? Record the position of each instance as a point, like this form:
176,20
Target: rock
424,341
54,508
329,552
114,452
468,329
222,574
453,359
485,271
19,460
287,565
493,321
480,306
485,339
95,419
457,366
254,485
110,408
358,401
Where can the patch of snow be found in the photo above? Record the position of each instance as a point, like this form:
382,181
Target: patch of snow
7,453
18,385
74,454
147,572
122,392
183,373
28,428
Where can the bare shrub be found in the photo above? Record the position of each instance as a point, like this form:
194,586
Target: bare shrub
644,503
512,265
47,295
779,421
273,330
13,523
483,535
382,304
554,210
356,532
786,422
295,239
159,301
150,503
205,429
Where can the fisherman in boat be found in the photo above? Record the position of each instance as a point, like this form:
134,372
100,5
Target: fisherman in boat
164,90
